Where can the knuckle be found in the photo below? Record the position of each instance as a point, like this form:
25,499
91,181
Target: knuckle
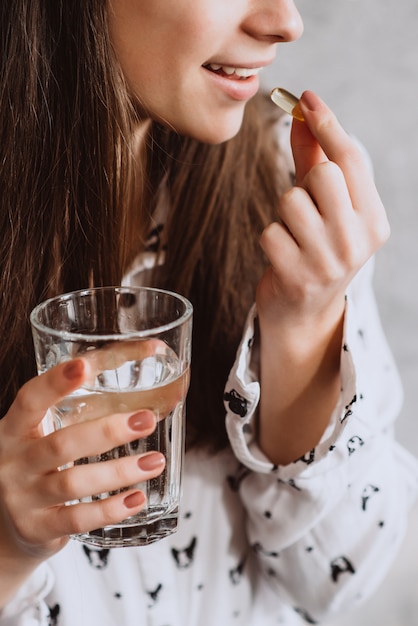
21,530
118,470
326,169
22,400
111,430
349,257
268,237
74,519
126,470
378,229
382,231
65,485
57,446
326,123
322,174
293,196
351,155
111,510
331,271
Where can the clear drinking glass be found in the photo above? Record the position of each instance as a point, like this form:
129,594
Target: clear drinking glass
138,342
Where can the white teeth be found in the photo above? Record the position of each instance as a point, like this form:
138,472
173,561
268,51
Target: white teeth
242,72
245,72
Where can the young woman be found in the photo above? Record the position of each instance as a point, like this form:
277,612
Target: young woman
134,148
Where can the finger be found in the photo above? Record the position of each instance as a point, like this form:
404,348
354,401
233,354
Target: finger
301,217
161,399
79,518
338,234
38,394
326,186
86,480
340,148
88,439
306,150
278,244
115,354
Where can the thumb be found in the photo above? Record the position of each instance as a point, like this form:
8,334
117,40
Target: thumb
306,150
38,394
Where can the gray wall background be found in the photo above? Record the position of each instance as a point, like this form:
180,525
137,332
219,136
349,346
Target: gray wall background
361,56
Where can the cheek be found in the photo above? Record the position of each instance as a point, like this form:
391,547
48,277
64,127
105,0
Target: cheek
181,102
142,45
155,74
162,58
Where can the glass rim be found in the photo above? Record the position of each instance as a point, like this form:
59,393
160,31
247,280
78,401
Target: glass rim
86,336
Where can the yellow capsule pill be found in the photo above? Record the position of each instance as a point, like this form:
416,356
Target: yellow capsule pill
288,102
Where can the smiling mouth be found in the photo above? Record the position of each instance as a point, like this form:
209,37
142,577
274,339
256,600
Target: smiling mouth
235,73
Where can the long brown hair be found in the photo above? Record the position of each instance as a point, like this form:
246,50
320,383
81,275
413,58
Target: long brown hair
68,218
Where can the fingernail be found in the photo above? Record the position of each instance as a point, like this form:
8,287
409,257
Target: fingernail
141,421
73,369
151,461
134,500
298,113
311,101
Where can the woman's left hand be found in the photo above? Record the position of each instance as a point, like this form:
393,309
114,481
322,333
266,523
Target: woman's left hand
328,226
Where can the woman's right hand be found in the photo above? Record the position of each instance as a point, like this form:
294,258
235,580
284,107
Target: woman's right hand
34,520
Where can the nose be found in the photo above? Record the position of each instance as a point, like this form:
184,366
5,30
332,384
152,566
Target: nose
273,20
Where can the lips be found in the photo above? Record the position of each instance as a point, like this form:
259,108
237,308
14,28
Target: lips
240,73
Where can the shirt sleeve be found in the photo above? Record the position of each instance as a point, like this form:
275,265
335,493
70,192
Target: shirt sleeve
336,516
28,607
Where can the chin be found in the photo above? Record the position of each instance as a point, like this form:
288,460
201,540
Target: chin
218,132
219,137
211,127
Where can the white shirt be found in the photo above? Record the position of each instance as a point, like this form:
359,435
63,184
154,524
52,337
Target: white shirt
258,545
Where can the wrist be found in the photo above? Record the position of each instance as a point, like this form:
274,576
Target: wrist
300,383
16,566
14,572
301,333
